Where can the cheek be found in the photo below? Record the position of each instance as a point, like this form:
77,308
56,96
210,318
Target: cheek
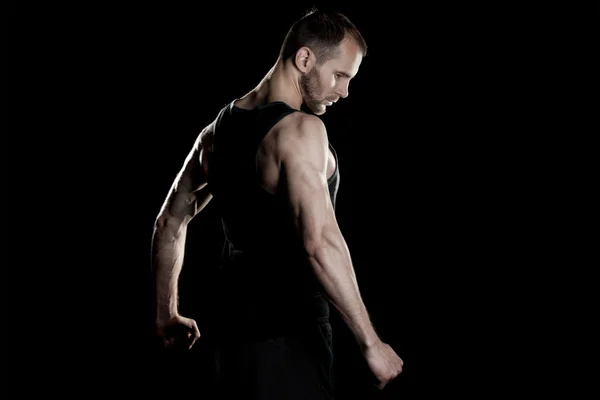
327,82
332,82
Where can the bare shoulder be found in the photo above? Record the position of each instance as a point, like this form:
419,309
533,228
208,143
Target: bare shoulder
299,125
206,138
297,142
301,133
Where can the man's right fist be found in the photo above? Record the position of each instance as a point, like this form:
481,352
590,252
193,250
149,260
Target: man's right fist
177,332
383,362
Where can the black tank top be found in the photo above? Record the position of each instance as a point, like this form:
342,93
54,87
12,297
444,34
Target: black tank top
267,281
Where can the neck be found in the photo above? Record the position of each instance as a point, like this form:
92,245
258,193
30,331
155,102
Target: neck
281,83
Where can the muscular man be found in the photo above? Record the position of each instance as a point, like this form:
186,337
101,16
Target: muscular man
274,176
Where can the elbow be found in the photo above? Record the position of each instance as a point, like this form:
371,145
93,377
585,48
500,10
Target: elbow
312,246
167,224
316,245
322,254
317,238
162,222
323,243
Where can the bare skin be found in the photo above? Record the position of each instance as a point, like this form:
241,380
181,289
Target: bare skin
296,153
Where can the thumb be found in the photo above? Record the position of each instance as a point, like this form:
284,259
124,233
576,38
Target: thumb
194,333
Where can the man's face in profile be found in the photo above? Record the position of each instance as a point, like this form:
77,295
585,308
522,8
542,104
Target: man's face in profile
324,84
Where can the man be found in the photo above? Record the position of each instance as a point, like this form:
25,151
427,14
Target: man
274,176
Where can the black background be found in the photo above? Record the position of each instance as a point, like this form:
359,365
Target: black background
463,195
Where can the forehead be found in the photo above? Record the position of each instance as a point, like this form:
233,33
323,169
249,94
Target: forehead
348,57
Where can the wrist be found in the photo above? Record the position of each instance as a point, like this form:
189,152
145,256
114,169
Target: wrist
166,313
364,332
368,339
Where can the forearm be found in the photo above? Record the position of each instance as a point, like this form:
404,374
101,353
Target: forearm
168,247
333,267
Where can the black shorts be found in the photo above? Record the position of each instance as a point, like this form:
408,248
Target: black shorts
294,366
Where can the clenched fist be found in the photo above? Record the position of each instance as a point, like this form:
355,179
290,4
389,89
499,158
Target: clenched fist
383,362
177,332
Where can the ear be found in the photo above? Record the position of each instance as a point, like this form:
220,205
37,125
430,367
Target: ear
305,59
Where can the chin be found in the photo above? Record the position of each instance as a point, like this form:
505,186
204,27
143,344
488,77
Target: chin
318,109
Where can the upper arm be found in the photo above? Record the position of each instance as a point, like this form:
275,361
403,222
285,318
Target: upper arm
303,156
189,192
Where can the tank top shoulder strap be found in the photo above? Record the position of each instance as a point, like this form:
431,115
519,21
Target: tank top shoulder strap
269,115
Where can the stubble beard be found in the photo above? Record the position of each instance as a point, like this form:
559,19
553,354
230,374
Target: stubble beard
309,84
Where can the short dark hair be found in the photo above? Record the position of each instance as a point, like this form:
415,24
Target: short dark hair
322,32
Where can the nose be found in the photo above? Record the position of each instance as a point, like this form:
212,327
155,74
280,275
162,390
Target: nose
342,91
